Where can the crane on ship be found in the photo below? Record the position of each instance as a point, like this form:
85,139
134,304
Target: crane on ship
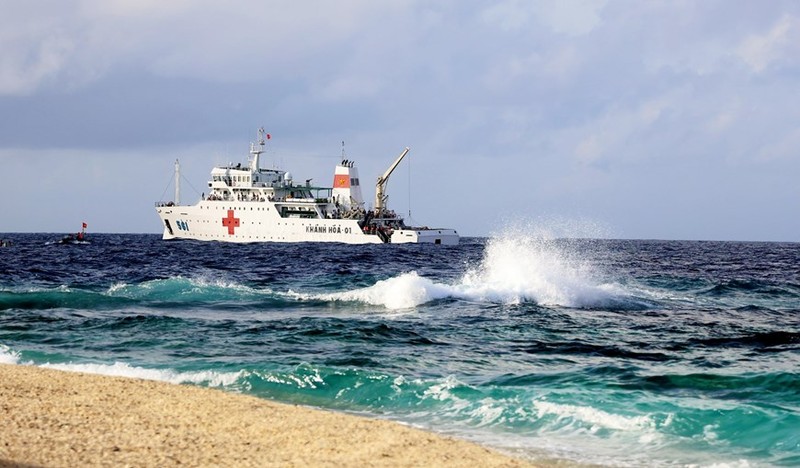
380,186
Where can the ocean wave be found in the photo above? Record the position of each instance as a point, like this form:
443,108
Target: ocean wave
121,369
152,293
752,287
58,297
405,291
202,288
522,264
592,419
762,341
517,266
208,378
752,387
539,415
580,348
211,378
8,356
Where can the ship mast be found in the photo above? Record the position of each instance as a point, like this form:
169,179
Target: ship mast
177,182
380,186
257,150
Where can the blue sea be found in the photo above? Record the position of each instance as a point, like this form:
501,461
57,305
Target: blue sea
608,352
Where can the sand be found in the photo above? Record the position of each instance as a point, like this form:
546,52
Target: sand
65,419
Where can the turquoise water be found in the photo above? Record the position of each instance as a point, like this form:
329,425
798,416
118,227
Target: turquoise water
620,353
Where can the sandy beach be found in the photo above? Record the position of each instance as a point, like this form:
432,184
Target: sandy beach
55,418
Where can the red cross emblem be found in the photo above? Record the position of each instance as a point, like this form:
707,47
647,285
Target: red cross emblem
231,222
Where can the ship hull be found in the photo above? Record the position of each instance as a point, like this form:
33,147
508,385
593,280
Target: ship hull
425,236
246,222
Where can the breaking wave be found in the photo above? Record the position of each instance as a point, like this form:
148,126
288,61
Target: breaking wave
209,378
519,265
120,369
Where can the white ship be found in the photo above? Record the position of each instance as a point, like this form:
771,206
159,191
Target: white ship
252,204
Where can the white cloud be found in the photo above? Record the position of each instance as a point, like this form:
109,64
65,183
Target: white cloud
622,134
509,15
76,42
345,88
781,44
786,148
35,46
724,119
572,17
568,17
24,67
141,9
556,67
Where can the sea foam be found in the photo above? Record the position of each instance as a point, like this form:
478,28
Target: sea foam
400,292
519,264
199,288
8,356
593,417
121,369
527,264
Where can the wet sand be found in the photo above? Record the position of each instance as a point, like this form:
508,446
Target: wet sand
55,418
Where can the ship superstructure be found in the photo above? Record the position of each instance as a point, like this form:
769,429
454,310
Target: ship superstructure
247,203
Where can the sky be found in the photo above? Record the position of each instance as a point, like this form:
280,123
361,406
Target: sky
620,118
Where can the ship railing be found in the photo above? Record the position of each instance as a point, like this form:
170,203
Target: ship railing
247,198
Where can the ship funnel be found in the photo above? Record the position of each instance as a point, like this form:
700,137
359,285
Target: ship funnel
346,185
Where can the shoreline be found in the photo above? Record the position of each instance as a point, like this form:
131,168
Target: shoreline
59,418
